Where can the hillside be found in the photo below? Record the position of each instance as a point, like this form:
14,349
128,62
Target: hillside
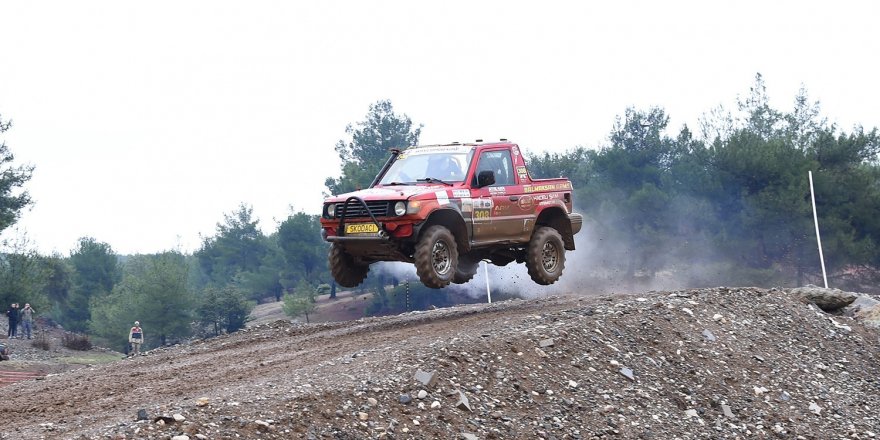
709,363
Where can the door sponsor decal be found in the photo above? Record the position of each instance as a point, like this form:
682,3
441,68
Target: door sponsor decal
482,209
497,190
526,202
461,193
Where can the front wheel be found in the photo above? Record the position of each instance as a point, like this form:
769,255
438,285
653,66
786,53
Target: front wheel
545,256
345,270
436,257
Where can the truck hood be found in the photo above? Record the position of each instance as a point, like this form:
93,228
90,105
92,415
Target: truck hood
401,192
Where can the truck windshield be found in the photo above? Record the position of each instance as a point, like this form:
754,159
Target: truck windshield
431,164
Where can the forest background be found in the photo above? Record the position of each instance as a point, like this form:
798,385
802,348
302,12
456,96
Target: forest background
725,203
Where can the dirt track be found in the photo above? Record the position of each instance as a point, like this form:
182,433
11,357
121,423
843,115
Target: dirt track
560,367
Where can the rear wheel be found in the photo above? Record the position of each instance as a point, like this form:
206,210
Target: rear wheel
467,268
545,256
436,257
345,269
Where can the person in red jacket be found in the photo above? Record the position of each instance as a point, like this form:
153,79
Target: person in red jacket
136,338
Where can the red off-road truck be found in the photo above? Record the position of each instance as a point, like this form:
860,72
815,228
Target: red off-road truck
445,208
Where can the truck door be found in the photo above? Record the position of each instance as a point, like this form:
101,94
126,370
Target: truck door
497,216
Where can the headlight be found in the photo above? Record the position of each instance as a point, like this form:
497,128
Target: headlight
399,208
331,210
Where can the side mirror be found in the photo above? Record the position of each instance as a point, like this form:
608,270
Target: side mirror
485,178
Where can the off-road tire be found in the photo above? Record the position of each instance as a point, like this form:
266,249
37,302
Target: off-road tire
436,257
345,270
545,256
466,270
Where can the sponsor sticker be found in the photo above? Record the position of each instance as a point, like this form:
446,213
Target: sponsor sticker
496,190
467,205
442,198
547,187
521,171
483,204
525,202
461,193
482,209
547,196
515,151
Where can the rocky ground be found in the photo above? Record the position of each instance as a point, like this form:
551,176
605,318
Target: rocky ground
711,363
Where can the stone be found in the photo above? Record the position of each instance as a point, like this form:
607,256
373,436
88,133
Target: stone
627,373
463,403
142,414
815,409
372,401
428,379
180,437
690,413
862,304
717,317
572,384
468,436
422,394
435,404
202,401
362,416
262,425
870,317
404,399
541,353
828,300
784,397
708,335
760,390
725,408
545,343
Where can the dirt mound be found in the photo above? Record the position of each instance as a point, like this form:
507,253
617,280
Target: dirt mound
710,363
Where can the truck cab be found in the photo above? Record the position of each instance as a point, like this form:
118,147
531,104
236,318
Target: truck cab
445,208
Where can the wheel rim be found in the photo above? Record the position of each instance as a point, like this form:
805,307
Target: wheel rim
440,258
550,257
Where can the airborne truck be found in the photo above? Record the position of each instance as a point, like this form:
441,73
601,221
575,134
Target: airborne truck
445,208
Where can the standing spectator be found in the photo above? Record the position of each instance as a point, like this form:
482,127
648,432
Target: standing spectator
12,314
136,338
27,320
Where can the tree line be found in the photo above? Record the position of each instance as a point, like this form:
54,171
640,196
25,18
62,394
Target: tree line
728,204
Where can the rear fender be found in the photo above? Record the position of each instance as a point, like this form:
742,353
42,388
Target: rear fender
557,218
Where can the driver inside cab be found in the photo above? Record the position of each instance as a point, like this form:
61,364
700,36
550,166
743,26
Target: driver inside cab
445,168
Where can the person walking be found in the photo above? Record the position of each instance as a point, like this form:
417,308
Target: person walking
12,314
27,320
136,338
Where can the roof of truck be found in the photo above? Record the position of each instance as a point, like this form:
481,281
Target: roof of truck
455,145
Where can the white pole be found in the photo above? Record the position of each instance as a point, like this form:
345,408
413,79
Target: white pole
488,292
816,222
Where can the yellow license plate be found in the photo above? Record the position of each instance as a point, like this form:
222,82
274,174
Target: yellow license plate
362,228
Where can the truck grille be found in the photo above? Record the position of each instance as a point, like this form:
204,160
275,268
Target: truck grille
355,209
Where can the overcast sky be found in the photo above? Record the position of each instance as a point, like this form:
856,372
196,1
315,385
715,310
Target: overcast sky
147,121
